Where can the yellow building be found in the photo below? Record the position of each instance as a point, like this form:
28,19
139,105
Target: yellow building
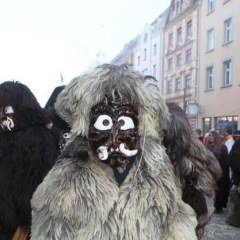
219,85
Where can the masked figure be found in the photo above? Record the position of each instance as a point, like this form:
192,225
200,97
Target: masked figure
27,152
60,126
196,168
114,179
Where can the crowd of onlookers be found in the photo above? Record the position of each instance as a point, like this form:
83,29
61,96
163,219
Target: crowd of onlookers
226,149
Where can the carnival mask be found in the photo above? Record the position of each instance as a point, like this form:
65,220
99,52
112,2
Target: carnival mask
7,119
113,131
65,136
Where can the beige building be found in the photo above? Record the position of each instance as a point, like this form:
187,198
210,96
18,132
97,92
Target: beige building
181,57
219,85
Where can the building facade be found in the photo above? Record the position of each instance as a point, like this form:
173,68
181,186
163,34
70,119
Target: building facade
148,52
181,57
193,50
145,51
219,86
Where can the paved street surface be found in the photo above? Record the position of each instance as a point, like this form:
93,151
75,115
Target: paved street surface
218,229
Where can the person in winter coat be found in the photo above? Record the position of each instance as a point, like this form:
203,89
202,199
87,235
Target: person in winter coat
233,216
215,144
114,179
28,150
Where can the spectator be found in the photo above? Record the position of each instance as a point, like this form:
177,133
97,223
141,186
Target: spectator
233,216
216,146
206,136
198,134
229,141
236,135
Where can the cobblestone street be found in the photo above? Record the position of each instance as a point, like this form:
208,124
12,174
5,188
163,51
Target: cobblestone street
218,229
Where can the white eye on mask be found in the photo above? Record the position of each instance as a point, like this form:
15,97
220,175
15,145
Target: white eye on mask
103,122
66,135
126,123
8,110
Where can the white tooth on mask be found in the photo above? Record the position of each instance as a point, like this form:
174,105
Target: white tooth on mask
103,154
116,150
127,152
8,123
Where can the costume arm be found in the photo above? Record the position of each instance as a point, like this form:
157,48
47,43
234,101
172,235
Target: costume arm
72,197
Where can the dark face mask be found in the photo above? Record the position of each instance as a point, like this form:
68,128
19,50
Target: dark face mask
113,132
8,120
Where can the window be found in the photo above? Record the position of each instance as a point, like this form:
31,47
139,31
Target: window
211,6
228,30
145,54
181,5
169,86
170,40
178,84
179,59
145,37
145,72
154,70
177,8
188,81
170,63
210,39
179,34
154,49
189,28
209,78
207,123
189,55
221,123
138,60
227,73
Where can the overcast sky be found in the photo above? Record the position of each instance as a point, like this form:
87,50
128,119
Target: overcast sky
40,40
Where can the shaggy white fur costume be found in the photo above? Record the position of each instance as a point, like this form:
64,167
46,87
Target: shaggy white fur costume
80,199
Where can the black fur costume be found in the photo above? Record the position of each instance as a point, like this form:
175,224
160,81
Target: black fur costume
195,166
26,155
60,126
233,217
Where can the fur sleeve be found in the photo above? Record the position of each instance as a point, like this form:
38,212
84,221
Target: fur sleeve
72,182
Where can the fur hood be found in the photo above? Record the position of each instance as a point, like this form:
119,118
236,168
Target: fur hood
82,93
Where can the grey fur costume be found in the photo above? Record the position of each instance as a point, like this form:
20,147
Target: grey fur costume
80,199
